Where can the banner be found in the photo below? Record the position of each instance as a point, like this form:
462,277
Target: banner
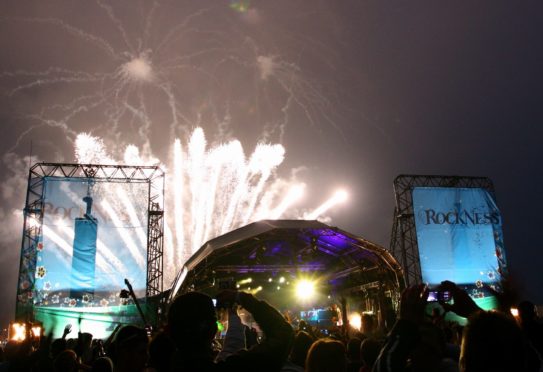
94,235
459,237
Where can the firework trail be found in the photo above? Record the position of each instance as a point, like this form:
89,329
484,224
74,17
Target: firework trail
215,190
179,67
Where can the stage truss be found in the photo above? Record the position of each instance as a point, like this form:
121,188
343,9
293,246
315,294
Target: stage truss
34,211
403,241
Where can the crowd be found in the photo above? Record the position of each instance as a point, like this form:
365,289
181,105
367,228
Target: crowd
491,341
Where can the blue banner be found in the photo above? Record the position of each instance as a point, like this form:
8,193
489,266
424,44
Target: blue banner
459,237
94,235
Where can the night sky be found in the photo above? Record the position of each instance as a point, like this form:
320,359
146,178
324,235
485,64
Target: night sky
358,92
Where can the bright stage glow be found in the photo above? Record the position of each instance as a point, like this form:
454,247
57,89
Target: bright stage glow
17,332
245,281
339,196
305,289
514,312
36,331
355,320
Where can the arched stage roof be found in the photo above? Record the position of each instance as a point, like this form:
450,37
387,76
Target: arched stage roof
271,247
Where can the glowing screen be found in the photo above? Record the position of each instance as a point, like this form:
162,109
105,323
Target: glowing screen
459,237
94,236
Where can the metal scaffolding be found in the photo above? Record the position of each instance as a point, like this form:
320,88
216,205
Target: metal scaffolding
34,211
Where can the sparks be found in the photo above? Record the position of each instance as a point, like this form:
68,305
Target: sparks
213,190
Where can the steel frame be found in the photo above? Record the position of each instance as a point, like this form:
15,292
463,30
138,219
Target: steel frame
403,240
33,219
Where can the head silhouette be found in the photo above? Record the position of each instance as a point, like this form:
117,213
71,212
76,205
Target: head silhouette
527,311
326,355
300,347
192,321
492,341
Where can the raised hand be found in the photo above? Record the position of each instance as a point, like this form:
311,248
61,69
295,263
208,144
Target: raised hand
463,304
413,303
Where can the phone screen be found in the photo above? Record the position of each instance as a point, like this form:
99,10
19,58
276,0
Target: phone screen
442,296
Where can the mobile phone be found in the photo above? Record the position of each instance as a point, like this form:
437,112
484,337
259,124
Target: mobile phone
439,296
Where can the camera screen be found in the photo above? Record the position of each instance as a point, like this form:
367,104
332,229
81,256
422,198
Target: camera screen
435,296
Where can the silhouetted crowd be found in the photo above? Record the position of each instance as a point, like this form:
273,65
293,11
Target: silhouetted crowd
491,341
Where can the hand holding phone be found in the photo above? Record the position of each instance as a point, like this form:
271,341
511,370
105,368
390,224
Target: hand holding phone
463,304
413,303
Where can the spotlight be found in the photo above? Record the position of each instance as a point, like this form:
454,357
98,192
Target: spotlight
514,312
256,290
36,331
282,279
17,332
305,289
245,281
355,320
270,280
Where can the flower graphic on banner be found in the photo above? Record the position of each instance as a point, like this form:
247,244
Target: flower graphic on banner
104,302
47,286
25,285
72,302
41,272
55,299
39,246
85,299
